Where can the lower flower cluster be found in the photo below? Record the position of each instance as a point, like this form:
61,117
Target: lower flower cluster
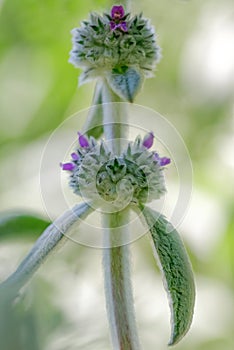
136,176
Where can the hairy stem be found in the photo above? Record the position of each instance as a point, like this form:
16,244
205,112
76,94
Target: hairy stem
114,119
93,125
118,288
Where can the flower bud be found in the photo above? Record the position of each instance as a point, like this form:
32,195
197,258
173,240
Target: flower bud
148,140
83,141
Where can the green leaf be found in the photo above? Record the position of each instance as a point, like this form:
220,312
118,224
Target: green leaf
51,239
17,225
177,272
126,84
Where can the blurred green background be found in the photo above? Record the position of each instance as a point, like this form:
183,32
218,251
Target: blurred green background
64,307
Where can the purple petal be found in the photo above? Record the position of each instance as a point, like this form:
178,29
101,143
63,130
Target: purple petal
117,12
83,141
75,156
148,140
113,26
156,157
164,161
123,26
161,161
67,166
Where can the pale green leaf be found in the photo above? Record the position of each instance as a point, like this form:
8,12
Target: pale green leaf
177,272
126,84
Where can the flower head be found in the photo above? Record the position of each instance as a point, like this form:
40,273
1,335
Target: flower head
135,176
108,42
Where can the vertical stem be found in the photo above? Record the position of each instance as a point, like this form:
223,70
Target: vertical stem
118,288
114,115
93,124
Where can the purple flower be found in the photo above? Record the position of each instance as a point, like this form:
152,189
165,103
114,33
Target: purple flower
117,12
83,141
165,161
67,166
75,156
161,161
113,25
121,25
148,140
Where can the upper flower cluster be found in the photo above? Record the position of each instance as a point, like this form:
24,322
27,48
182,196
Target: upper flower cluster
136,176
113,42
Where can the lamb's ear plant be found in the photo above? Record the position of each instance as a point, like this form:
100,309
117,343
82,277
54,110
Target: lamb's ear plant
119,50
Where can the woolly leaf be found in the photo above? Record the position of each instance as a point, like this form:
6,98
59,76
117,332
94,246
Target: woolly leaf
177,272
127,83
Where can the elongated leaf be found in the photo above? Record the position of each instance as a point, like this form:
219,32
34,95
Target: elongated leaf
18,225
176,270
51,238
126,84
